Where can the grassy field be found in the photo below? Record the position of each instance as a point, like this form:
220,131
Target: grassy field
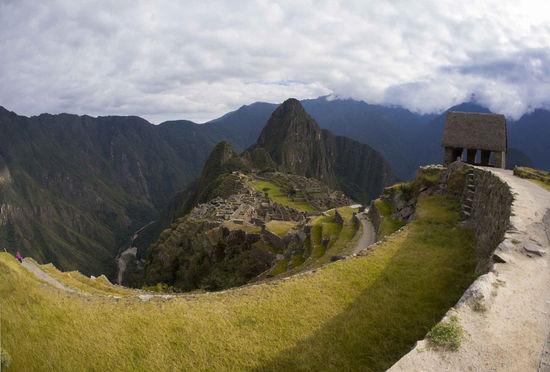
388,225
357,314
76,280
340,237
280,227
275,194
540,177
247,227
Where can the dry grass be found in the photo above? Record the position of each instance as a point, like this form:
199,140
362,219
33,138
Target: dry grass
357,314
540,177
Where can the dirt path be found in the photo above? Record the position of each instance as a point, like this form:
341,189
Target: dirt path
510,335
368,237
40,274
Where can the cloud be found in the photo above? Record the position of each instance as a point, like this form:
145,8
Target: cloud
199,59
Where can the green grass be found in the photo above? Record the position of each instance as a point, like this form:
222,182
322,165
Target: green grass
446,335
388,224
540,177
246,227
340,240
280,267
276,194
357,314
280,228
317,227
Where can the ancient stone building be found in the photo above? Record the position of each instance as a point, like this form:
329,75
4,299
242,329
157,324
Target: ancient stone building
473,133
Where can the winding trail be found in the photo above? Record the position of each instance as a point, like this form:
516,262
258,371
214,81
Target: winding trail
368,237
511,334
40,274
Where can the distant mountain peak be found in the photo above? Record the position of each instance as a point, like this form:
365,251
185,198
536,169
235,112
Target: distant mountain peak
289,109
294,141
289,121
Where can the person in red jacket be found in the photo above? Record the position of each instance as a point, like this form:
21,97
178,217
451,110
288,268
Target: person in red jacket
19,257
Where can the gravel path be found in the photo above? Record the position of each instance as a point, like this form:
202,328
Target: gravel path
368,237
40,274
511,334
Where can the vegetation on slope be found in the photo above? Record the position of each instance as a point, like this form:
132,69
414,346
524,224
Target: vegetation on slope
388,224
538,176
357,314
78,281
277,195
280,228
327,239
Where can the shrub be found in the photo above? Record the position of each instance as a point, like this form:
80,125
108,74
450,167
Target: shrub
5,359
446,335
539,176
407,190
478,305
160,288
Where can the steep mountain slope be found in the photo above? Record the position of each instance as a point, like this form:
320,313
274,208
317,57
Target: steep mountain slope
296,144
392,131
220,237
404,138
72,185
389,130
76,187
531,134
219,232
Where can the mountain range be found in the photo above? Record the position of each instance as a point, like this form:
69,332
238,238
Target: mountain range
74,189
228,227
405,139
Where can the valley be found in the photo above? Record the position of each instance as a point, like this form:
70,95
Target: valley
274,186
330,316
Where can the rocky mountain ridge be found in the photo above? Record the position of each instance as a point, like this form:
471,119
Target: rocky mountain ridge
220,235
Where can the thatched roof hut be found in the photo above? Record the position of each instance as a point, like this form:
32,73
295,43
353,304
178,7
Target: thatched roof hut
480,131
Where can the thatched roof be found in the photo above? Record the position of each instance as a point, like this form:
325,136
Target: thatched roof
475,131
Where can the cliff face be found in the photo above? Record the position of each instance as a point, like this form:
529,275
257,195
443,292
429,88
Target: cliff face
80,186
293,158
294,143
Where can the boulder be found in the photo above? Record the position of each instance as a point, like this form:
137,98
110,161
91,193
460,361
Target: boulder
534,249
337,258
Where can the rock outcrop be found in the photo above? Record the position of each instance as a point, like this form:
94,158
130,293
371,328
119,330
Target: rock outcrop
293,142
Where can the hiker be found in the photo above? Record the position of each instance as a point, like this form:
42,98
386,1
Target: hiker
19,257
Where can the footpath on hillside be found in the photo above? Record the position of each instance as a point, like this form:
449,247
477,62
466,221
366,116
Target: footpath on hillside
511,333
40,274
368,235
365,240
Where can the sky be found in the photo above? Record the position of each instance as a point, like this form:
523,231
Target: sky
197,60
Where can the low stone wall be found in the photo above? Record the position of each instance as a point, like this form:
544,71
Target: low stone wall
374,216
485,203
485,207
